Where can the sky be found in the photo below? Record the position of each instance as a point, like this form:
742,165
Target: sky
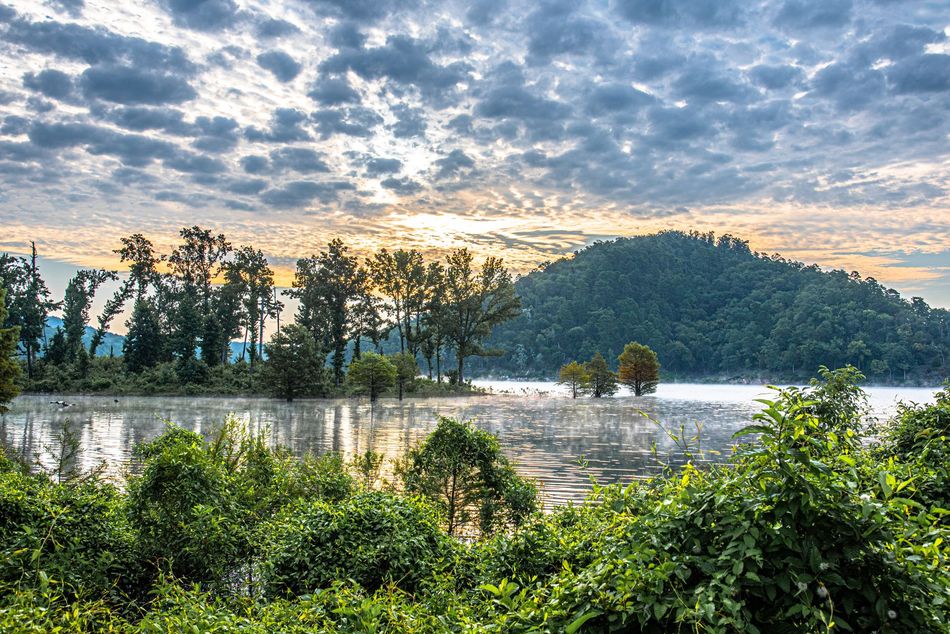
813,128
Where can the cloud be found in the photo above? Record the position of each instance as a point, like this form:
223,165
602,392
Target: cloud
803,15
52,83
702,14
202,15
404,61
452,164
286,126
402,186
130,85
95,45
296,194
331,91
921,74
284,67
377,166
410,122
301,160
358,122
275,28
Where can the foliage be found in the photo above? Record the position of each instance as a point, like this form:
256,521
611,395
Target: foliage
372,538
639,369
9,368
372,373
601,380
294,366
806,529
574,376
710,307
406,370
142,348
462,470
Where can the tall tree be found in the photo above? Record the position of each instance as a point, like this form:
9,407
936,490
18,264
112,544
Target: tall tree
401,277
29,302
433,339
9,368
249,273
474,303
197,261
139,252
77,301
329,287
639,368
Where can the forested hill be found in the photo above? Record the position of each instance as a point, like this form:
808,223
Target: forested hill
711,307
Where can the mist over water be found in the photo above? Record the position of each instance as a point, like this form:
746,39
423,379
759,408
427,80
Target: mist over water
561,442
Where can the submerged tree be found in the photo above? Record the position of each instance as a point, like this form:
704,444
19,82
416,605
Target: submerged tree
373,373
294,366
639,369
406,370
463,471
574,376
601,381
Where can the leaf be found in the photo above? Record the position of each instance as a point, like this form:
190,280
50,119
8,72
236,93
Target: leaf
579,621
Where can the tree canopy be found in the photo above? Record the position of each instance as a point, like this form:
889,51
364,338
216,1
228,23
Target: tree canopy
639,368
712,307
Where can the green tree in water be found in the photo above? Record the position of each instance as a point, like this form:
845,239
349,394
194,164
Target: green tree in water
294,366
9,368
639,368
601,380
373,373
574,376
406,370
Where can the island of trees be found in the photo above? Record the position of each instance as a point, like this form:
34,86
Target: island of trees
190,306
712,309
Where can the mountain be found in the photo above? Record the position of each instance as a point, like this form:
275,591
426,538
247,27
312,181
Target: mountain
713,308
111,342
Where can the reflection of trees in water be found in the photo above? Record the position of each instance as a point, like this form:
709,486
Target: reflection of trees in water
545,437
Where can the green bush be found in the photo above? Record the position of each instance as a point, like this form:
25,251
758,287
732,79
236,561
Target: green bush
372,538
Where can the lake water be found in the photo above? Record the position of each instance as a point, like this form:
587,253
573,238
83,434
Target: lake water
559,441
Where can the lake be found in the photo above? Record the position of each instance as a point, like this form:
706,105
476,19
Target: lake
561,442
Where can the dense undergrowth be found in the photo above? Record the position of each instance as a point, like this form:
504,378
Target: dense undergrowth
808,528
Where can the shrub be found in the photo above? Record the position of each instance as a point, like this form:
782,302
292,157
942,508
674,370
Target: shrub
372,538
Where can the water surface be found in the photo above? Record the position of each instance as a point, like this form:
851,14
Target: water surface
559,441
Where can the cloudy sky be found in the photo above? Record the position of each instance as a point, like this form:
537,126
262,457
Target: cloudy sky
815,128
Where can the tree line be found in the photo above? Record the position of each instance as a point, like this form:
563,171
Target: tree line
189,305
712,308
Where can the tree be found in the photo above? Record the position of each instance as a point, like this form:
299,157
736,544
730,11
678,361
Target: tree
253,280
406,369
294,366
197,261
574,376
474,303
463,471
28,302
602,381
9,368
76,304
401,277
329,287
142,348
639,369
373,373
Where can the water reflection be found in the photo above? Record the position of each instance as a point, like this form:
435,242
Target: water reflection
545,435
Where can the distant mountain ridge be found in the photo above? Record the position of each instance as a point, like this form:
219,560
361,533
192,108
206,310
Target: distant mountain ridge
713,308
112,343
